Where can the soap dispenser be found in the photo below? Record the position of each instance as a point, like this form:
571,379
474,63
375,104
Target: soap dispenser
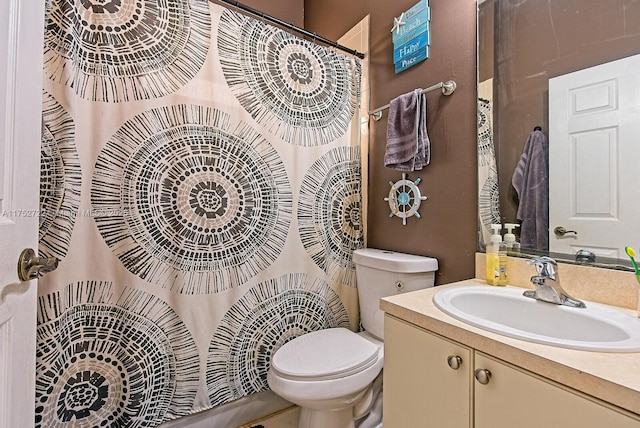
513,246
496,258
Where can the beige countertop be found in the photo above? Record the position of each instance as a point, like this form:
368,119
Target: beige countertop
611,377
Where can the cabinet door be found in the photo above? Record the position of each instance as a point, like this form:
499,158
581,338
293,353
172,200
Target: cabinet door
514,398
420,389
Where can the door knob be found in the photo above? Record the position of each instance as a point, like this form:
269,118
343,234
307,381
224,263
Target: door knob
30,266
561,231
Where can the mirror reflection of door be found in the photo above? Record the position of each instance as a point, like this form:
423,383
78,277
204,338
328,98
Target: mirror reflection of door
594,140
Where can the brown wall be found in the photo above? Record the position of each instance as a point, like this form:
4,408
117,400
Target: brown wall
290,11
448,227
538,40
486,39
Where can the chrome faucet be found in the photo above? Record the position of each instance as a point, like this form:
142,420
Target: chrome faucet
548,286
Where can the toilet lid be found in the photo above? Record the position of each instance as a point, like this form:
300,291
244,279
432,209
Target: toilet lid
325,354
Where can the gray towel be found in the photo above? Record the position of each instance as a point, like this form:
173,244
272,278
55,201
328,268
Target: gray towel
408,147
531,181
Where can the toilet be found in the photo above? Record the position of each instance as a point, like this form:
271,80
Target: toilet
329,373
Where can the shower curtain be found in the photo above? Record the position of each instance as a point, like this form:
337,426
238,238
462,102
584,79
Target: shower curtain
488,191
200,184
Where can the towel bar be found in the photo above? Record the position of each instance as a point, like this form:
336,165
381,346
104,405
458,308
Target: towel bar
448,88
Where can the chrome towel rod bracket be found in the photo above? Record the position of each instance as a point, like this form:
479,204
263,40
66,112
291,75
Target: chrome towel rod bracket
447,87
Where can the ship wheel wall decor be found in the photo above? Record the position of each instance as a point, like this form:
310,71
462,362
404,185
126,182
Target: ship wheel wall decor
405,198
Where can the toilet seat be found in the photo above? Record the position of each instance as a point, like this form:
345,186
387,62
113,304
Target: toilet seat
324,355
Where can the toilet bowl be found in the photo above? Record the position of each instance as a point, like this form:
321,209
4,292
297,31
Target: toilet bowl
329,373
326,373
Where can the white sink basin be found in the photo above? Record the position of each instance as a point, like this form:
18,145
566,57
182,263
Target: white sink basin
504,310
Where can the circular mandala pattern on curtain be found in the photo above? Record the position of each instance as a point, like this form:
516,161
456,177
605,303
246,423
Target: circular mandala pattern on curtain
129,363
304,93
329,213
125,50
485,133
489,200
266,317
185,203
60,179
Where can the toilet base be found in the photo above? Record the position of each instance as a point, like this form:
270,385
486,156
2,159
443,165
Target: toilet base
342,418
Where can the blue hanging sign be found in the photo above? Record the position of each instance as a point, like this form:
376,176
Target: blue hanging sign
407,31
411,47
412,60
410,36
416,9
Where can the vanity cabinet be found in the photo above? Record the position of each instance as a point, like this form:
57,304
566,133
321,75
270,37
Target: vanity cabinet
421,389
516,398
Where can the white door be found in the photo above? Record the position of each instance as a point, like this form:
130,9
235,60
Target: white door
594,158
21,38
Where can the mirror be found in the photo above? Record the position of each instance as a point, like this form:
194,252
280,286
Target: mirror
522,44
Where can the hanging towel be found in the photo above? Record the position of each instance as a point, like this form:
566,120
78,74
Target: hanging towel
531,181
408,147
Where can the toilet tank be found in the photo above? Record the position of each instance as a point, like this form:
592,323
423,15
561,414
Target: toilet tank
382,273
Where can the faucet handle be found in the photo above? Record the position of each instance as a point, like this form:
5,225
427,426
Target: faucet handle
546,266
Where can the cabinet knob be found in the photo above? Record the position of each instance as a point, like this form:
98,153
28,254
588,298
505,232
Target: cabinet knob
482,376
454,361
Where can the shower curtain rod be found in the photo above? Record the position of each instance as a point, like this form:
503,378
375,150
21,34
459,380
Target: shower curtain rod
448,88
292,27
